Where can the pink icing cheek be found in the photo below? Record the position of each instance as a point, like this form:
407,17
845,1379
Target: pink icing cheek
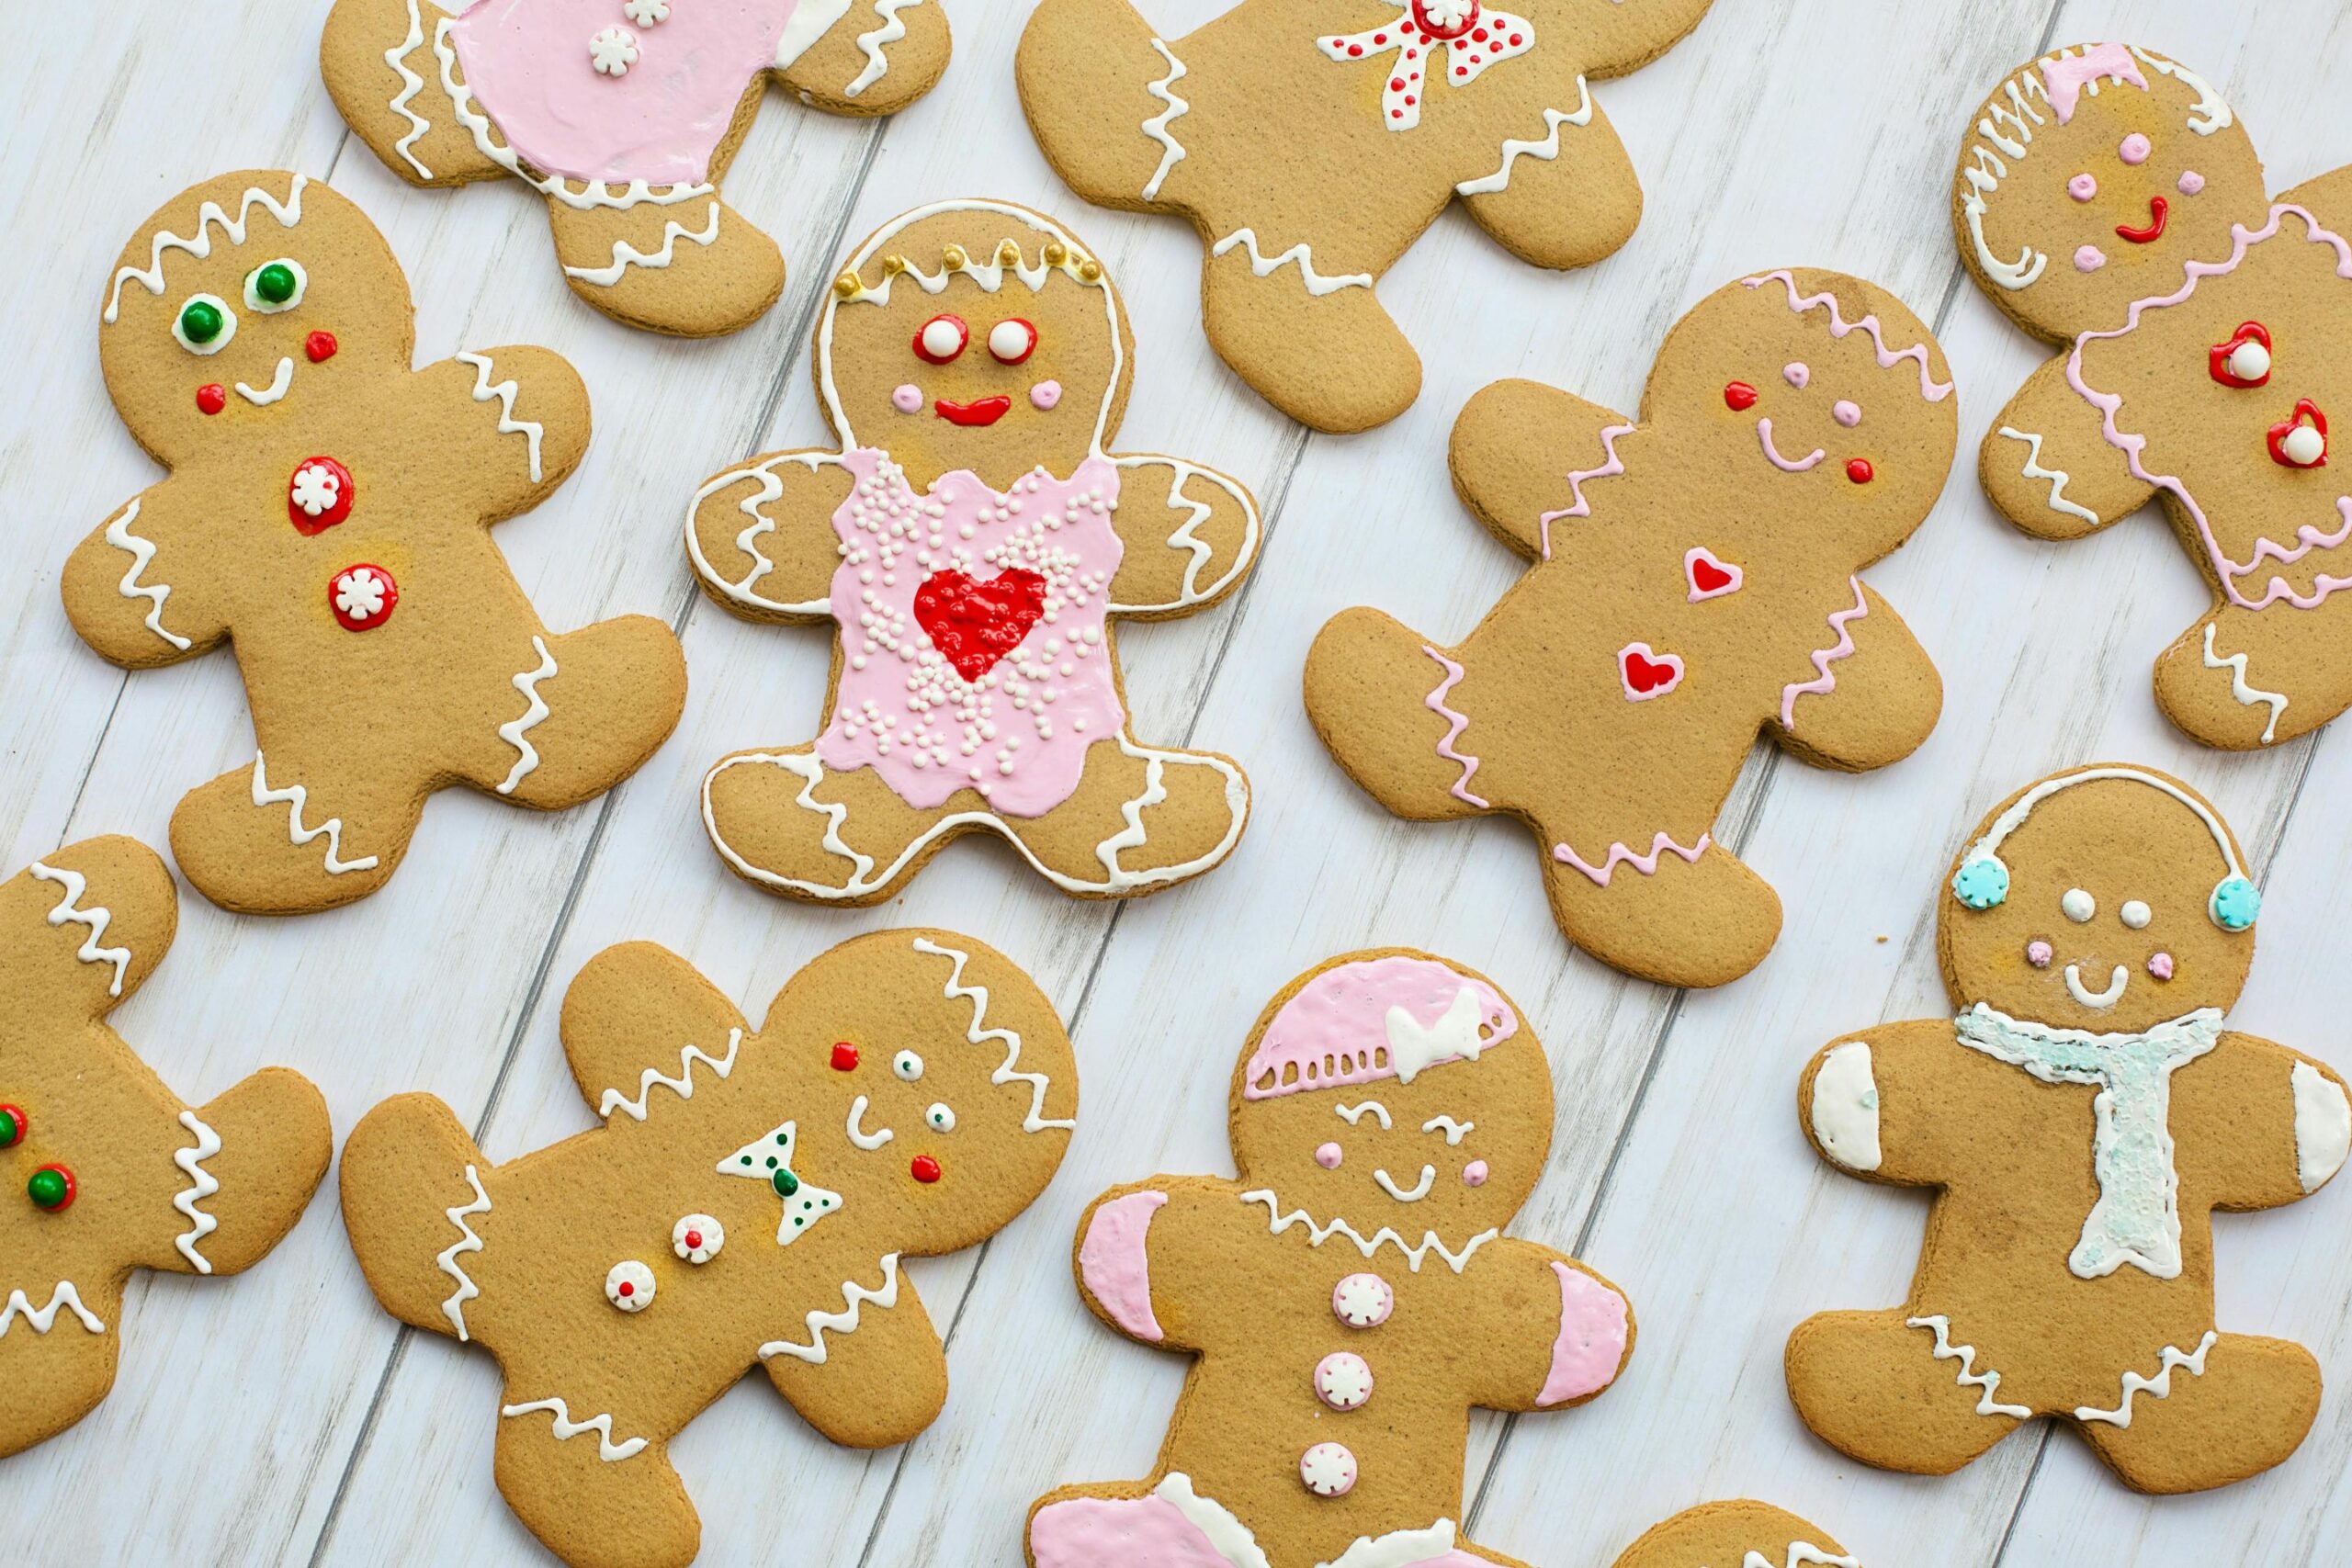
2091,258
907,398
1475,1174
1847,413
1044,395
2135,149
2160,966
1327,1156
2191,182
2037,955
2082,187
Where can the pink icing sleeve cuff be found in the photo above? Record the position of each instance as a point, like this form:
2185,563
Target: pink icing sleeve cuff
1592,1339
1112,1262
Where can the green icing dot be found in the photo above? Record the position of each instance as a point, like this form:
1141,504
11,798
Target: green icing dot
46,1189
274,283
200,322
787,1184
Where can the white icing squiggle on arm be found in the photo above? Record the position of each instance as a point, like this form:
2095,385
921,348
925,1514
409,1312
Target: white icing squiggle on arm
455,1307
891,30
1547,148
142,551
682,1085
411,85
513,730
2243,690
1316,284
504,392
97,917
202,1184
1156,126
2057,476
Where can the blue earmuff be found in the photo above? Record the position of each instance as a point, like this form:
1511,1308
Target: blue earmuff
1982,883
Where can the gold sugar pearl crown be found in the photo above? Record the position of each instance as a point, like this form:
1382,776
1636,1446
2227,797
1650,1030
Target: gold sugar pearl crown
955,258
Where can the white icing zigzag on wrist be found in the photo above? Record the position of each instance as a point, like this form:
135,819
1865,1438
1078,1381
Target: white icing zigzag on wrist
512,731
454,1308
891,30
1988,1380
142,551
625,256
2243,690
566,1428
1547,148
683,1084
202,1184
97,917
855,1296
296,798
2057,476
2157,1387
1316,283
411,85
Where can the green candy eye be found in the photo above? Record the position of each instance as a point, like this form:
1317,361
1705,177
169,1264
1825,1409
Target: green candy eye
276,286
205,325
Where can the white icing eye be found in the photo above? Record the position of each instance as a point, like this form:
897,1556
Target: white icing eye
1013,340
907,1065
939,1118
2078,905
276,286
941,338
205,325
2136,914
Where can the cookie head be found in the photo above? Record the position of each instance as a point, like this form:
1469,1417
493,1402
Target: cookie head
2090,175
2109,899
1395,1089
973,334
240,302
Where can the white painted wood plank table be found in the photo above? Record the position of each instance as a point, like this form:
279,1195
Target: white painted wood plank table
281,1418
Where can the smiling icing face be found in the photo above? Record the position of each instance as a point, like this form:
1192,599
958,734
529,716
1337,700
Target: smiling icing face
1395,1090
2112,905
2091,175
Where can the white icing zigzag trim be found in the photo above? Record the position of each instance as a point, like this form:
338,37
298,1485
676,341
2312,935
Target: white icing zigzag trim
454,1308
625,256
855,1296
891,30
202,1184
2057,476
2157,1387
512,731
1547,148
683,1084
199,244
1414,1252
1802,1552
1186,537
504,392
142,551
411,85
95,917
1036,1120
62,1294
1988,1380
296,798
771,489
1316,284
2208,104
1156,126
2246,693
566,1428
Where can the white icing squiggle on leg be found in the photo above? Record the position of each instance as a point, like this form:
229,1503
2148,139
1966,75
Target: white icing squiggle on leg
455,1307
202,1184
1316,284
97,917
2243,690
411,85
1455,723
2157,1387
295,798
512,731
891,30
62,1294
1988,1380
1156,126
141,552
566,1428
625,256
855,1296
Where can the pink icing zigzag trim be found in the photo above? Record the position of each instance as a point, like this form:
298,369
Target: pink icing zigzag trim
1620,855
1824,682
1934,391
1455,723
2132,444
1579,506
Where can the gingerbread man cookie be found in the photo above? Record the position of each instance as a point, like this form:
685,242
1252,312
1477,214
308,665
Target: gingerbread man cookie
623,114
1693,583
1300,140
329,512
746,1204
2080,1120
1742,1534
972,544
1325,1417
111,1170
2109,201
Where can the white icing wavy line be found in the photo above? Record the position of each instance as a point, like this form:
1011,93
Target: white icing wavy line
891,30
1824,682
512,731
1612,465
296,798
142,551
1036,1120
202,1184
60,1294
855,1296
2157,1387
771,489
2057,476
566,1428
1547,148
199,244
2246,693
1156,126
1934,391
1133,836
683,1084
2209,102
1415,1253
454,1308
1987,1380
625,256
530,430
1622,854
1802,1552
95,917
1185,537
411,85
1316,283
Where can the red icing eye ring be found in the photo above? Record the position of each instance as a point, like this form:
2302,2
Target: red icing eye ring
2245,359
844,1057
211,398
1858,469
941,339
1013,340
1739,397
925,1169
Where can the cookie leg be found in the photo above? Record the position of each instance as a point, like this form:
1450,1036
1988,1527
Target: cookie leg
1120,1521
1389,706
411,1182
785,822
2244,1412
269,1142
1305,331
1142,818
55,1365
290,835
381,71
600,1492
1872,1387
1083,69
692,269
591,707
2243,681
1680,912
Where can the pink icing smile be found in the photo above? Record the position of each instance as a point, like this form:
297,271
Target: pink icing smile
1044,395
1764,435
1337,1030
907,398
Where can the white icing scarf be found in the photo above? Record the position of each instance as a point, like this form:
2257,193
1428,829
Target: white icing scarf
2137,1217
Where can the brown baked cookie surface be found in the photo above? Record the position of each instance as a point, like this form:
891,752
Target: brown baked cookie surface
1741,1534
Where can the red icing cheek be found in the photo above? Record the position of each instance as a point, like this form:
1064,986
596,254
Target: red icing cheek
211,398
1858,469
1739,397
924,1170
319,346
844,1057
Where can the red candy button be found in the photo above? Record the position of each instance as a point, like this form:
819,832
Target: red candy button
362,597
1739,397
319,346
318,495
1859,471
844,1057
925,1169
211,398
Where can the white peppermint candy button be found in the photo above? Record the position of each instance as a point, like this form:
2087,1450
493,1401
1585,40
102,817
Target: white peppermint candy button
697,1238
1328,1470
1343,1380
630,1286
1362,1300
2249,361
2304,445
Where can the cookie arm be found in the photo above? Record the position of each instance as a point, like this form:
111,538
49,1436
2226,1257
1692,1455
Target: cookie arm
1868,1107
877,57
92,920
760,536
1619,36
2327,197
2047,465
509,424
1509,444
1190,533
1559,191
2272,1124
881,1380
1141,1245
638,1017
1868,695
137,587
1551,1332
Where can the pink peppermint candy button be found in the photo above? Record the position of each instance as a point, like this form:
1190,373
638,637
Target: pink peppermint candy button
1362,1300
1328,1470
1343,1380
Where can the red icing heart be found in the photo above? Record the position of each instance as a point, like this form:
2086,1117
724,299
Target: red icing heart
1647,673
2219,359
976,624
1707,577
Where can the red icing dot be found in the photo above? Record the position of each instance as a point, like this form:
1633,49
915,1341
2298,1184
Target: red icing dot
211,398
1409,99
1355,49
319,346
844,1057
1859,470
624,1289
1396,113
694,1239
1380,38
924,1170
1739,397
1515,40
1396,84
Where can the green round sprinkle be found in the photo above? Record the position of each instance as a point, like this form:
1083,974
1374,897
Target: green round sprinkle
201,322
47,1188
787,1184
8,1133
274,283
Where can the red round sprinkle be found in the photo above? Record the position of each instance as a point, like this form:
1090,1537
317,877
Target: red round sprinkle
319,346
1355,49
1396,113
626,1289
1396,84
1514,40
924,1168
1859,470
1409,99
1380,38
211,398
694,1239
844,1057
1739,396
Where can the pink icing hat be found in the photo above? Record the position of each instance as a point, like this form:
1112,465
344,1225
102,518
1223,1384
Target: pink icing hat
1373,1019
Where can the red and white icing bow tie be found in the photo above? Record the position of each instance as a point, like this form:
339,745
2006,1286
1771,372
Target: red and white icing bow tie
1472,36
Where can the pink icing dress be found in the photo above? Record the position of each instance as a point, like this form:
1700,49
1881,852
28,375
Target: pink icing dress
973,649
529,65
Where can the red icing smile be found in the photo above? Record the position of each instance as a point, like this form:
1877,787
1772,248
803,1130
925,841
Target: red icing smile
979,411
974,623
2157,208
